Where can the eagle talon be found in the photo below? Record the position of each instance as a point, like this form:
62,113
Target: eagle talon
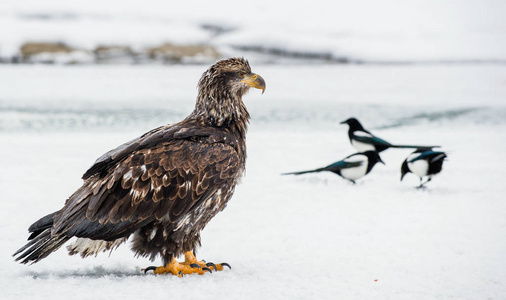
227,265
210,264
207,269
150,268
194,265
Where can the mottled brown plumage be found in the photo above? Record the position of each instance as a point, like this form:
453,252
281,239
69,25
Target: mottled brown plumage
163,187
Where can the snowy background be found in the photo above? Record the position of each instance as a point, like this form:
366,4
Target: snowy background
309,237
269,31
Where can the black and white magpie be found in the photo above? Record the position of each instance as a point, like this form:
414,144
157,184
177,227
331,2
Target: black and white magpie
363,140
352,167
424,162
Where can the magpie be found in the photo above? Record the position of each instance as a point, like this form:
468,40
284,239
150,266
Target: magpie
351,168
424,162
363,140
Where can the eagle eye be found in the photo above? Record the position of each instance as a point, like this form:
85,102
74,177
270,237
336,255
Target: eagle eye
242,74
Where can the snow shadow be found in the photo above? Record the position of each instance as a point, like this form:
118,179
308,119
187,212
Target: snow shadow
92,272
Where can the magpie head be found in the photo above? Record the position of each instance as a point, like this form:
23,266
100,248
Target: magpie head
404,169
354,124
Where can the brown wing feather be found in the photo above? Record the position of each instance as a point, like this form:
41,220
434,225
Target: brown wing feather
162,182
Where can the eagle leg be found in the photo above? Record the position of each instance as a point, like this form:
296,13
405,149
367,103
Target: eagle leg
190,266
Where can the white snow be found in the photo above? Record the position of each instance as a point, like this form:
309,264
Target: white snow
364,30
307,237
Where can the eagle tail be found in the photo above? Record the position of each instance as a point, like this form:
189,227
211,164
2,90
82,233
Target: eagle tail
305,172
40,247
42,224
41,242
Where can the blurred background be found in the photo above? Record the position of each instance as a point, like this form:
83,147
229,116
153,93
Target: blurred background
94,63
78,78
189,32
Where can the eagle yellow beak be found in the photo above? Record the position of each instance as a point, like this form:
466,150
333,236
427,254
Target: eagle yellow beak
255,81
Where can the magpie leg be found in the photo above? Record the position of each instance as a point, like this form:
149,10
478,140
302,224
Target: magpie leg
422,185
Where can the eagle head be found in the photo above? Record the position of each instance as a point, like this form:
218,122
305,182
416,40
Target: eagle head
220,91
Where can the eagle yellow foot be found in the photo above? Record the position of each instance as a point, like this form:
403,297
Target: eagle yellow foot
190,266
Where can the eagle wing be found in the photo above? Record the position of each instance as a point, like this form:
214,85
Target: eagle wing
165,181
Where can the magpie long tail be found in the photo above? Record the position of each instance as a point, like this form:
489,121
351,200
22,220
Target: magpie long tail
305,172
41,242
415,146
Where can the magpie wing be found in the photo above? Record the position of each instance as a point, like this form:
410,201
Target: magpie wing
367,138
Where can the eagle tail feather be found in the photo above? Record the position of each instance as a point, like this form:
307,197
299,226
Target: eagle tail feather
40,247
41,242
42,224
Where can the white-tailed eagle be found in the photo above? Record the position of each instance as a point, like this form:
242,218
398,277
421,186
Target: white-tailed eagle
162,187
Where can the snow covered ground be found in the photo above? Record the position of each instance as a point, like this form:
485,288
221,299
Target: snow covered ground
309,237
362,30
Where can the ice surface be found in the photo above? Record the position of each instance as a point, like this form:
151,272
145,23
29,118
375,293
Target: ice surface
308,237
